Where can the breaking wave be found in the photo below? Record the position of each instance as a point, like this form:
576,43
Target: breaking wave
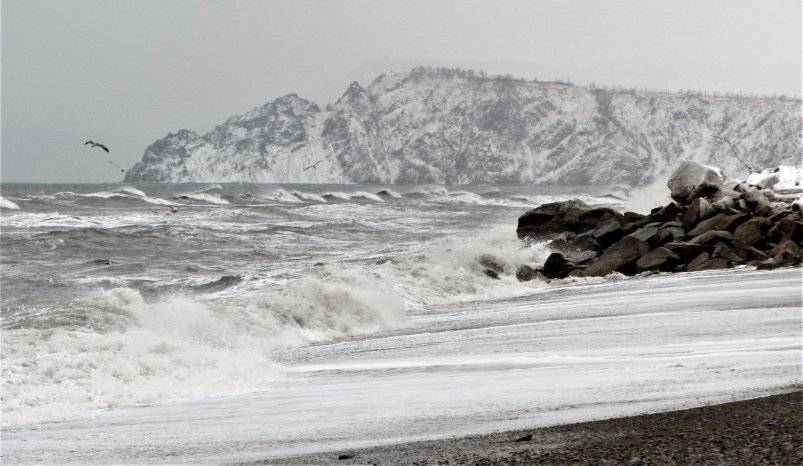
113,348
211,195
6,204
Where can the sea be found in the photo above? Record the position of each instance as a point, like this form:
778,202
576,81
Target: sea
220,323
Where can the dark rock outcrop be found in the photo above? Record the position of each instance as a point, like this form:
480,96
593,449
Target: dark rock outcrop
698,233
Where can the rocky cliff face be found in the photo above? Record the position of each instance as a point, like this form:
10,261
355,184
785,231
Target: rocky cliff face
457,127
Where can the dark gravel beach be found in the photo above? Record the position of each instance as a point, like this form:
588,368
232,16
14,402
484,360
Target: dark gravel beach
761,431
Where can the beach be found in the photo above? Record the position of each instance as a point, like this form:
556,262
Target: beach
765,430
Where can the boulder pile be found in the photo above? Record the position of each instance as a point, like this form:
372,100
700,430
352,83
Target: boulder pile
713,223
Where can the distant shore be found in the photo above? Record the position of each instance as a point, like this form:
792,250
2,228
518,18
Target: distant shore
765,430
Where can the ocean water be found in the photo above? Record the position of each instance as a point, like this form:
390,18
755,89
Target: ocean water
197,323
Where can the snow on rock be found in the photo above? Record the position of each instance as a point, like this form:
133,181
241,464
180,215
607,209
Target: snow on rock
782,178
692,178
460,127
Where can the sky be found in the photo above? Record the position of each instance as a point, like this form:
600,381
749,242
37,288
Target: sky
127,72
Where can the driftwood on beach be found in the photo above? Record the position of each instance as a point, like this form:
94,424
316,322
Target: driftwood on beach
712,224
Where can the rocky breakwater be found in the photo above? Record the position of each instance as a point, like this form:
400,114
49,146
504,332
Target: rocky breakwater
713,223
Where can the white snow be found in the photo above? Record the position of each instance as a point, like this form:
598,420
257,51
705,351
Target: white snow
782,178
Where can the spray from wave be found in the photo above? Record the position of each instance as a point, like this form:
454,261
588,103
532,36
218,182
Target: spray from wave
6,204
113,348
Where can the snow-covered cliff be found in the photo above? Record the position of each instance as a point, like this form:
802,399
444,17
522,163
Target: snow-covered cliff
458,127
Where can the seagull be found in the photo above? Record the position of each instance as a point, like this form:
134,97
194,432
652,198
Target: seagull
97,144
314,165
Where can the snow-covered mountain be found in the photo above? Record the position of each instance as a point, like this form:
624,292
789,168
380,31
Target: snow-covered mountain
460,127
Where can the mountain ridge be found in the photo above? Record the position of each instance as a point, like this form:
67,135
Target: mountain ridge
462,127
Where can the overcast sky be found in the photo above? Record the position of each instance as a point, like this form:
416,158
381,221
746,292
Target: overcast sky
128,72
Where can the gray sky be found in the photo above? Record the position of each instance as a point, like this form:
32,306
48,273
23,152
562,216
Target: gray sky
128,72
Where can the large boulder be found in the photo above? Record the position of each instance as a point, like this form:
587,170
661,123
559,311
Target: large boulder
557,266
692,179
659,259
719,222
554,218
618,257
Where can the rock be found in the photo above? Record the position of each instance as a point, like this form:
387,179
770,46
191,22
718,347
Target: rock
608,232
671,234
586,242
692,180
789,227
617,257
667,213
556,266
724,251
686,251
553,218
712,237
582,257
659,259
787,252
705,262
716,263
526,273
633,217
699,209
751,197
724,203
763,208
591,218
698,262
720,221
648,234
491,273
345,457
751,231
526,438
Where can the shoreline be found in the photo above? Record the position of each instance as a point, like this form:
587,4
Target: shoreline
764,430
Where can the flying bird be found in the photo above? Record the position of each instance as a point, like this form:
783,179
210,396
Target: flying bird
97,144
314,165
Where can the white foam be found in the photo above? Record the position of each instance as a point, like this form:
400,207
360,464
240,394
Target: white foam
540,199
6,204
124,351
337,194
207,197
578,354
283,196
449,270
367,195
389,192
134,191
308,196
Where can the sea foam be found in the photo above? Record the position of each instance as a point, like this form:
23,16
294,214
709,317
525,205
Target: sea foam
113,348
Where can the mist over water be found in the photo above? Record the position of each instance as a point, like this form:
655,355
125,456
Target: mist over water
120,295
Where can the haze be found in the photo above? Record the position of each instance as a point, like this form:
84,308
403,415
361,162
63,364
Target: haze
126,73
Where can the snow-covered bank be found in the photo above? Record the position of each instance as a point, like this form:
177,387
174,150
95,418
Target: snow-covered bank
595,349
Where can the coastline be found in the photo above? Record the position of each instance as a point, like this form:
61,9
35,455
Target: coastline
765,430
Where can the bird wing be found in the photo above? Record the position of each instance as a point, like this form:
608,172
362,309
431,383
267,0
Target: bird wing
89,142
103,147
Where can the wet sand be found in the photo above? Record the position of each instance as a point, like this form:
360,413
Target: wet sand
761,431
